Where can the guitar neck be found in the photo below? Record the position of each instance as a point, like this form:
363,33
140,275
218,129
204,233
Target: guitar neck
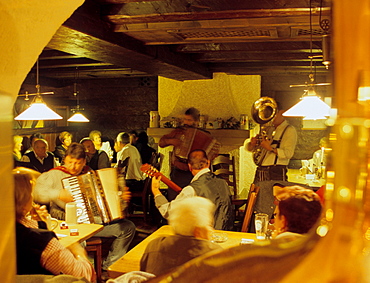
152,172
168,182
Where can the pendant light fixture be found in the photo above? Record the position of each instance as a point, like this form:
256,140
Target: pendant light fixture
311,107
77,117
38,109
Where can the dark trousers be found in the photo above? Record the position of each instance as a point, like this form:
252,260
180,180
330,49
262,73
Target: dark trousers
273,172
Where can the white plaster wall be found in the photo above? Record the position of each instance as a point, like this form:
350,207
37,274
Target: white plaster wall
223,96
26,26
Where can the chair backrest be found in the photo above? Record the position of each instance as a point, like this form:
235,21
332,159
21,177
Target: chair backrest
156,160
122,166
252,197
224,167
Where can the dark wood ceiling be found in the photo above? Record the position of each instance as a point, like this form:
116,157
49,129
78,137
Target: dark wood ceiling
188,39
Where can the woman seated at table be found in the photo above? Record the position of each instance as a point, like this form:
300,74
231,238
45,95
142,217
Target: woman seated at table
38,250
297,211
192,222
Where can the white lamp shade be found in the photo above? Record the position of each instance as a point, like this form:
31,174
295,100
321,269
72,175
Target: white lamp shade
38,111
78,117
311,107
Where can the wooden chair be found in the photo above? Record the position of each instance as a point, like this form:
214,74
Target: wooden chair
144,195
252,197
224,167
94,245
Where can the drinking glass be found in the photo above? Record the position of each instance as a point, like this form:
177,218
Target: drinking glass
261,223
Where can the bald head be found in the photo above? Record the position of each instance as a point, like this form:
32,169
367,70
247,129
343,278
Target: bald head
198,160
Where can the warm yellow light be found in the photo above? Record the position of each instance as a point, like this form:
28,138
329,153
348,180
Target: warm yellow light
364,93
38,111
330,174
322,230
310,107
78,117
329,215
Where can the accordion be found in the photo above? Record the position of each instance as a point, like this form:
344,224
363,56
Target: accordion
97,196
195,138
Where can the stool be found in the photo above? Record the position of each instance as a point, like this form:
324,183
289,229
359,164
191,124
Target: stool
94,245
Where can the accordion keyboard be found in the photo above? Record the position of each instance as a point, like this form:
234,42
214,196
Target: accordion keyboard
72,184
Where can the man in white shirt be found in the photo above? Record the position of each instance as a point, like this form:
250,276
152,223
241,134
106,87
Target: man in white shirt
279,150
128,157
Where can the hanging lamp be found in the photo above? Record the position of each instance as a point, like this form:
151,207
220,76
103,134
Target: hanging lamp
38,109
77,117
311,107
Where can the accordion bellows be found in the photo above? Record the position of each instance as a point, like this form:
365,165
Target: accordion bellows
97,196
195,138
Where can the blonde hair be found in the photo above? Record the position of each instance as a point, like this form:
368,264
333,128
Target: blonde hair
24,181
17,138
187,214
64,135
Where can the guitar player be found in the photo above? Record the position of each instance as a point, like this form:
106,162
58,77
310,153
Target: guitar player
204,184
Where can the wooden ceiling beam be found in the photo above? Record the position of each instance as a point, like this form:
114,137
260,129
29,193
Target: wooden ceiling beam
93,73
263,22
243,56
68,63
85,35
299,46
231,40
244,69
215,15
124,1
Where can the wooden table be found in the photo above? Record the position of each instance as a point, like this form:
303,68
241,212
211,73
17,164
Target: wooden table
131,260
294,175
85,231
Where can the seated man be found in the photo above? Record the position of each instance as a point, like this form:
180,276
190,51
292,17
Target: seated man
204,184
40,158
38,250
96,159
191,220
49,188
128,156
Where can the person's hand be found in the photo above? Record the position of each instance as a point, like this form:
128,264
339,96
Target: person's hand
155,186
78,251
266,143
126,194
253,141
41,212
65,196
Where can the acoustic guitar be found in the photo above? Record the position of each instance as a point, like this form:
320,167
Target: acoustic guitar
150,171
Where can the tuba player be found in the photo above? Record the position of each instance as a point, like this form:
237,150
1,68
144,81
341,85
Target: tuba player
278,149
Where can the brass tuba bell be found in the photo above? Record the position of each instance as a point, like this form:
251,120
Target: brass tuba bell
263,111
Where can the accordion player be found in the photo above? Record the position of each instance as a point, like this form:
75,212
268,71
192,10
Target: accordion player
195,138
97,196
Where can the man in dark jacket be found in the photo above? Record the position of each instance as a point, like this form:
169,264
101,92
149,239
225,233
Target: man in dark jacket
204,184
40,158
96,159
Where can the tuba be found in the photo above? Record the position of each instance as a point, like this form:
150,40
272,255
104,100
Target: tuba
263,111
